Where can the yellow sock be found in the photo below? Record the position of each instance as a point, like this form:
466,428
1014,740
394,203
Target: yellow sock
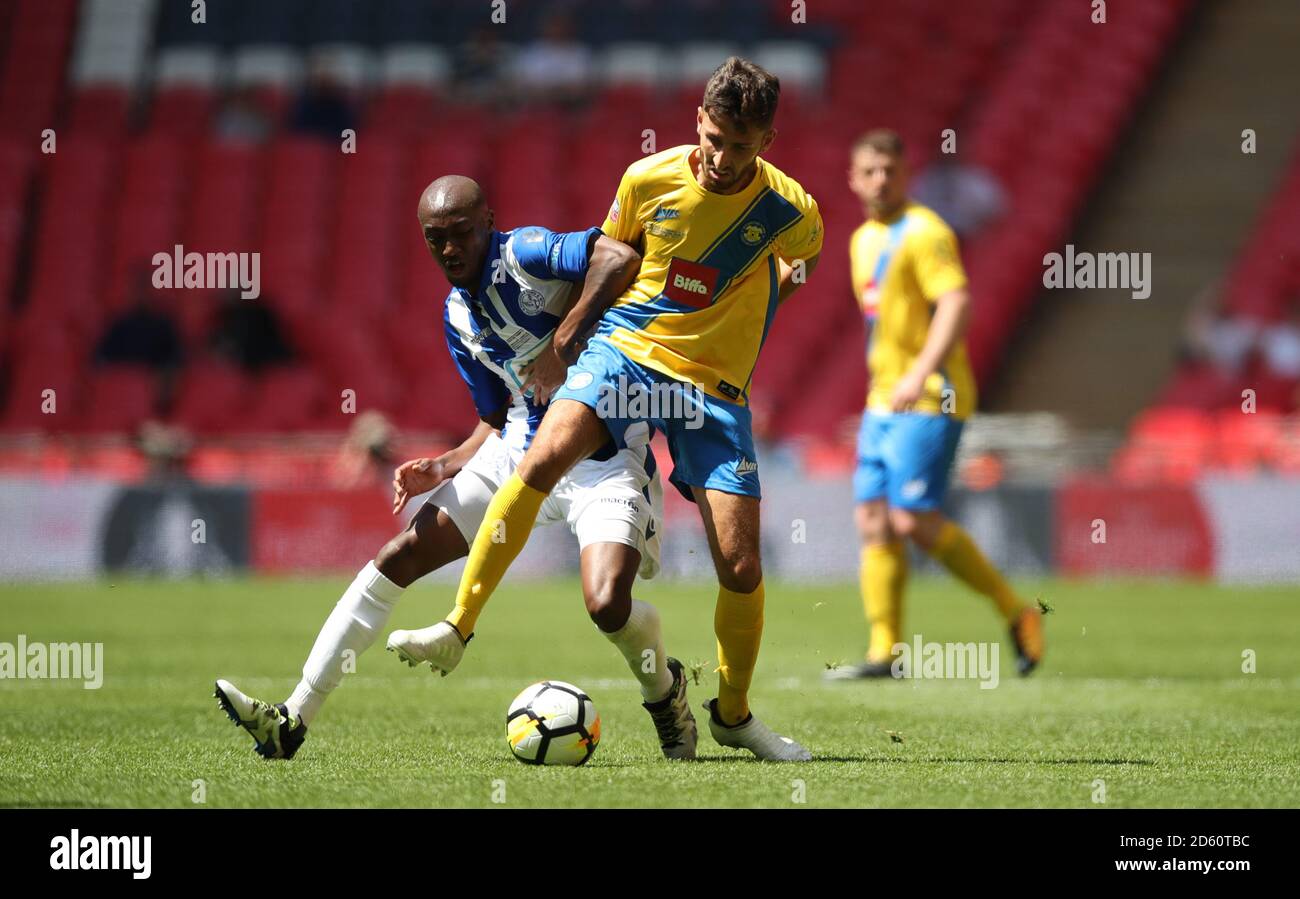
884,577
738,624
506,525
957,552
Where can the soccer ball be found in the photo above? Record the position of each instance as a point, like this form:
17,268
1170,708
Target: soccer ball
552,723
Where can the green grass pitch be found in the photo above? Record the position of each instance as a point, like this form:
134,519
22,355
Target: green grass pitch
1142,689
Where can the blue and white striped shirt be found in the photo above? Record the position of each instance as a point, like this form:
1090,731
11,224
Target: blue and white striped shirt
494,332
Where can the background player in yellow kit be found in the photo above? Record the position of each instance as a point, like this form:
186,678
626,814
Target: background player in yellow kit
722,235
908,278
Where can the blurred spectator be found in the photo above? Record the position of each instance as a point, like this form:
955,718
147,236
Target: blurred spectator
1279,345
556,68
480,64
323,108
1215,336
144,334
248,333
165,447
967,197
367,457
243,119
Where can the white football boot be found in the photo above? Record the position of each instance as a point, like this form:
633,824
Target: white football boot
755,736
276,734
440,645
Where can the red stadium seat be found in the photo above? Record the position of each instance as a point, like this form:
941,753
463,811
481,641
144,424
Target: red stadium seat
32,69
284,399
182,111
121,398
222,213
212,397
46,390
155,182
100,110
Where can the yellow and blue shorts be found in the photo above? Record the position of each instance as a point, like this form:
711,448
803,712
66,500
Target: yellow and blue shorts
906,458
710,440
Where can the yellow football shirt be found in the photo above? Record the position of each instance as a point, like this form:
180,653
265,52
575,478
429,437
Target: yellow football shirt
704,299
899,268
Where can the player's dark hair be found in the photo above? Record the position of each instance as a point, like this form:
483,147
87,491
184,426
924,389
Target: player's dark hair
742,93
882,140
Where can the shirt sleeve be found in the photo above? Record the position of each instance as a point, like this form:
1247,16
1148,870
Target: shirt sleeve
551,254
937,262
803,240
856,280
486,389
621,223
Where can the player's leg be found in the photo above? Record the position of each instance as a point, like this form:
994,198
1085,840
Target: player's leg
714,464
615,509
570,431
608,573
430,541
884,573
883,567
952,546
464,500
731,523
929,446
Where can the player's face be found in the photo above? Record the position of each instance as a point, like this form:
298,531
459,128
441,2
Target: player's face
458,240
728,151
878,179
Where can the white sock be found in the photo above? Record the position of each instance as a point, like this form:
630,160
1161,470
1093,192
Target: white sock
642,645
354,624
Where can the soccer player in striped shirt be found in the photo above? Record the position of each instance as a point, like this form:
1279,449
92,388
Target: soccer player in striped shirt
509,290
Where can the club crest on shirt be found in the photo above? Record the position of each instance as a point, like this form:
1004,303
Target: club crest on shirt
531,301
753,232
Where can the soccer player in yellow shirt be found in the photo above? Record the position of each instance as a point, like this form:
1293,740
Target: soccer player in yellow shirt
724,238
908,278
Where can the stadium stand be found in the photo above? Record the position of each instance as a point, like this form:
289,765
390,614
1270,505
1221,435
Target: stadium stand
174,132
1235,418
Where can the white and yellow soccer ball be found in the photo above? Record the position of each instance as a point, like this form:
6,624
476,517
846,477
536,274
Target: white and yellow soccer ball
553,723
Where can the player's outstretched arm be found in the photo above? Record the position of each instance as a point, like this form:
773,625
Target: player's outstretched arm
420,475
612,268
951,317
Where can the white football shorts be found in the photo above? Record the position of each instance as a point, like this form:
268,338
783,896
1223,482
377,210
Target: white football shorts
615,501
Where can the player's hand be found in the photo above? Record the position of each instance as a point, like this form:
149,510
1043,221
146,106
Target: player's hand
544,375
907,392
415,477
